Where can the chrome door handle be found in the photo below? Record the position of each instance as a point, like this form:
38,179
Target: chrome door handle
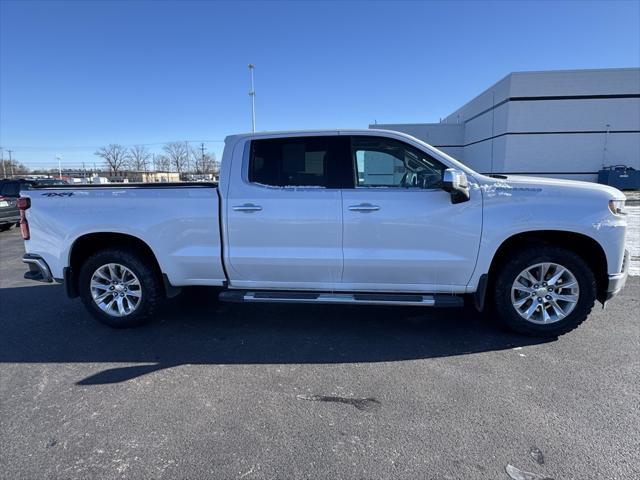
247,207
364,207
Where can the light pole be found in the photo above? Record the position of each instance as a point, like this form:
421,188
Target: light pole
59,167
252,94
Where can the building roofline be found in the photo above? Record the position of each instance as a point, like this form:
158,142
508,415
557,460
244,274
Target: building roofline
539,72
574,70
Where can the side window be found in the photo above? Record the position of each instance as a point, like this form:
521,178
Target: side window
384,162
293,162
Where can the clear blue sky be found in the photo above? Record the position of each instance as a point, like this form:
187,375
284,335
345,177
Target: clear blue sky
77,75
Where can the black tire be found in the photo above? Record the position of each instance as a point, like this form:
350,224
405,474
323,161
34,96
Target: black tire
150,285
532,255
5,226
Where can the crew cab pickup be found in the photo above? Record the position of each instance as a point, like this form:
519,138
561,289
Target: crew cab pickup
352,217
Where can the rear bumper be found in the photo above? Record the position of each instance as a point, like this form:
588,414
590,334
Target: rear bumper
38,268
617,281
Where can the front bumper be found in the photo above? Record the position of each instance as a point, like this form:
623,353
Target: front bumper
617,281
38,268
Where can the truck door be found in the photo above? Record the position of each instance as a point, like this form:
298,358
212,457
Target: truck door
284,217
401,231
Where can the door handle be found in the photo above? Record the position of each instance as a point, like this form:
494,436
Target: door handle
364,207
247,207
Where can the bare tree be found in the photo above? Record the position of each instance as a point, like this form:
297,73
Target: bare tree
138,158
204,163
114,155
161,163
16,168
178,155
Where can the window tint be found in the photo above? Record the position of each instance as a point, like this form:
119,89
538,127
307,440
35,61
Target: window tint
296,162
384,162
10,189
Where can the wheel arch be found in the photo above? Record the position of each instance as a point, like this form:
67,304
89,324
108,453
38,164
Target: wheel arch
88,244
584,246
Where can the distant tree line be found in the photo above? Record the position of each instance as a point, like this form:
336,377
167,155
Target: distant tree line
177,157
12,168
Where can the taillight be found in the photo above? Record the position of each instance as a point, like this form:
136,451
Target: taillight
23,203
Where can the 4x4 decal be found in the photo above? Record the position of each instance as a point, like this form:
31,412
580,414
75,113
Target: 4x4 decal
56,194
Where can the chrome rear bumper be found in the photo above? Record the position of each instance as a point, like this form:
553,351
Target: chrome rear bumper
38,269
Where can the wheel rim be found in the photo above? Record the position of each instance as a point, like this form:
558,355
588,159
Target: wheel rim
545,293
116,290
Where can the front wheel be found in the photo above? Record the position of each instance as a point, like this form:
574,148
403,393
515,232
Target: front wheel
544,291
120,288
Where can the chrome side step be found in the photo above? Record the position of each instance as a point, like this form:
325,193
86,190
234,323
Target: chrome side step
400,299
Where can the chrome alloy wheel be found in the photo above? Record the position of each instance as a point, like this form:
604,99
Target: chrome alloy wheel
545,293
116,290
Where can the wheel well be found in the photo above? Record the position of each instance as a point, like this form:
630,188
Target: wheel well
87,245
586,247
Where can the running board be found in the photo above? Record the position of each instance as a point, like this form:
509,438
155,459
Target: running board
245,296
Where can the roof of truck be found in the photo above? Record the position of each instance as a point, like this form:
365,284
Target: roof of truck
334,131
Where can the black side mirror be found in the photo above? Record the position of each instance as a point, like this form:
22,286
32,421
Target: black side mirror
455,182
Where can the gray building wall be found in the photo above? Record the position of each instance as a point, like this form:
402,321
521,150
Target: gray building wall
565,124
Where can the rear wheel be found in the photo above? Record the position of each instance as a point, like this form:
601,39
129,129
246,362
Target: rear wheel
120,288
544,291
5,226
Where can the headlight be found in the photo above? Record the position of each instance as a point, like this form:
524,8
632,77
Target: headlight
617,207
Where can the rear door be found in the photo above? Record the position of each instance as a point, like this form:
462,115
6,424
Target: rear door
284,216
401,231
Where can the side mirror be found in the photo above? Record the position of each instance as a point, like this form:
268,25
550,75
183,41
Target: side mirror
455,182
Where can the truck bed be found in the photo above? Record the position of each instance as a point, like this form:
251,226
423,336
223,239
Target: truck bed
178,221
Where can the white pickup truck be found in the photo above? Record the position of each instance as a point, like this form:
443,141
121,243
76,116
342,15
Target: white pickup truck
353,217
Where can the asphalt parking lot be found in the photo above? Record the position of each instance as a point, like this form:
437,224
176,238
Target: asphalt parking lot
237,391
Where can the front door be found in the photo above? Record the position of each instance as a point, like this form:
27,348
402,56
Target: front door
284,218
401,231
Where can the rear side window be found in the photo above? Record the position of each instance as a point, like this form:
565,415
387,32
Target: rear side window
296,162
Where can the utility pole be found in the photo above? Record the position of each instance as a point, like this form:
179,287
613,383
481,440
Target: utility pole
4,170
10,162
252,94
59,167
202,156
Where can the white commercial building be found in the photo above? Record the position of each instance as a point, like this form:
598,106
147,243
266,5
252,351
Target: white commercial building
566,124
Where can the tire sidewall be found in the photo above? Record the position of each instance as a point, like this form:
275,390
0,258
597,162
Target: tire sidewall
146,277
541,254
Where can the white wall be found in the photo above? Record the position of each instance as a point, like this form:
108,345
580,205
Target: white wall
509,129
